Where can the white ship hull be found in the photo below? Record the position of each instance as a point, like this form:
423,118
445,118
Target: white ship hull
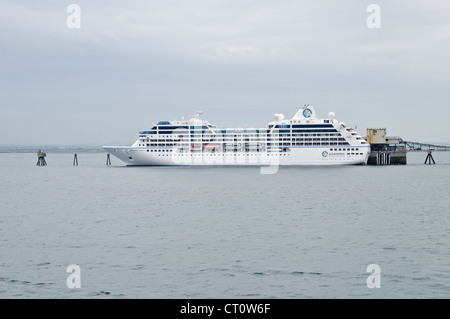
133,156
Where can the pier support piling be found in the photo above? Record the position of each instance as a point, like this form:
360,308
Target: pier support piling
429,160
387,158
108,160
384,158
75,159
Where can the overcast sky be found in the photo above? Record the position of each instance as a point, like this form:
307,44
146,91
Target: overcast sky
133,63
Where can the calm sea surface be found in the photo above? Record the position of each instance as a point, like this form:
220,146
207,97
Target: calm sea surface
177,232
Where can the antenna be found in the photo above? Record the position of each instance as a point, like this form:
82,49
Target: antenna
198,114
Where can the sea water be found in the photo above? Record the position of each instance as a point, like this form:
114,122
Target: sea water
223,232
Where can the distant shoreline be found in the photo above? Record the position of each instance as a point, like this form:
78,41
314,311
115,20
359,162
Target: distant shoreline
51,149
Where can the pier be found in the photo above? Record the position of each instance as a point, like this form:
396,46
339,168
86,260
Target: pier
392,150
41,159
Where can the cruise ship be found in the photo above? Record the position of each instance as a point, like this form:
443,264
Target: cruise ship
304,139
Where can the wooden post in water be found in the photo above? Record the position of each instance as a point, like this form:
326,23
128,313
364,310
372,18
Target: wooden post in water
108,159
429,158
75,159
41,159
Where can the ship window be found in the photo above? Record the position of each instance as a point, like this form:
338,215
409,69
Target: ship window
312,126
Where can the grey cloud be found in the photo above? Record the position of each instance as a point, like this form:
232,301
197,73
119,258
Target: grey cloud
135,62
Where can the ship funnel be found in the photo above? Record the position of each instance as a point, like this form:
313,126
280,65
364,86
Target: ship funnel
306,112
